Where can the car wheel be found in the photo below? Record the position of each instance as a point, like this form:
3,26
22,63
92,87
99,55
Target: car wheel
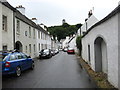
18,71
33,65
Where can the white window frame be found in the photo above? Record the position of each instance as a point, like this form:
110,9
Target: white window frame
29,31
4,22
18,26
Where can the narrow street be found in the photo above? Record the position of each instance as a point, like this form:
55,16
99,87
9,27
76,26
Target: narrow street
60,71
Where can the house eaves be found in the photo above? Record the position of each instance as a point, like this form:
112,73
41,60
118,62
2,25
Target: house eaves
114,12
25,19
71,39
9,6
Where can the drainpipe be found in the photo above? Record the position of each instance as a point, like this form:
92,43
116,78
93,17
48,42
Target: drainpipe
86,23
14,30
80,31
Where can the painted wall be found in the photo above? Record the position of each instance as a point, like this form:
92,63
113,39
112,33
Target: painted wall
65,42
72,44
0,26
44,40
25,40
7,36
109,32
90,22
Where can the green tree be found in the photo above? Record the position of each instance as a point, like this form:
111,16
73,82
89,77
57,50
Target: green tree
62,31
79,44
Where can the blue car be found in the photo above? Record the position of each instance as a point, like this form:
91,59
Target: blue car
15,63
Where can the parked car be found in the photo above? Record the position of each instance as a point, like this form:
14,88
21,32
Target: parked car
45,53
15,63
71,51
65,49
56,51
53,52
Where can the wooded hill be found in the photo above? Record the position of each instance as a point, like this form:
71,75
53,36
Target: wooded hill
63,30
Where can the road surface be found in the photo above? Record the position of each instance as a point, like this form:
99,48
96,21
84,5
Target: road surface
60,71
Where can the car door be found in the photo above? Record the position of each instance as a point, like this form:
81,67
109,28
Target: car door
13,62
21,60
28,61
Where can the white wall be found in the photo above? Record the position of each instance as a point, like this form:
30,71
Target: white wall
7,36
25,40
43,41
72,44
90,22
65,42
0,26
109,32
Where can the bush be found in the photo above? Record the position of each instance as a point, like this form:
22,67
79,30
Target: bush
79,44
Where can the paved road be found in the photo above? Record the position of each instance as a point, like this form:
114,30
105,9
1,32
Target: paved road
61,71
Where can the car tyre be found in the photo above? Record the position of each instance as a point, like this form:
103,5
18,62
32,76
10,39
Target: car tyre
32,66
18,71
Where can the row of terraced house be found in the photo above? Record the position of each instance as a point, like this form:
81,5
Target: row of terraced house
100,44
19,32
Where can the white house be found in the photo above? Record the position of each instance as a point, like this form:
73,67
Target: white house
65,42
90,21
6,26
100,46
19,32
72,43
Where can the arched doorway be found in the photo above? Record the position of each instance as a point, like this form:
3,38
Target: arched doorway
101,62
18,46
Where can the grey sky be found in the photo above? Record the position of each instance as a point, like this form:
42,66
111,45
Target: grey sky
51,12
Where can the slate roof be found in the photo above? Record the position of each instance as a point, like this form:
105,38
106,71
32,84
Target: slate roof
114,12
8,5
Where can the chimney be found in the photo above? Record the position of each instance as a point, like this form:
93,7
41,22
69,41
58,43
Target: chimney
43,26
21,9
63,21
119,3
90,13
34,20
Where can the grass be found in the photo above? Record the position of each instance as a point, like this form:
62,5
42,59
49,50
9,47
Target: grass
100,78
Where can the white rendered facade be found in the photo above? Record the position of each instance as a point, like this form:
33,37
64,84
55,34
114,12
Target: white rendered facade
90,22
20,32
6,34
101,43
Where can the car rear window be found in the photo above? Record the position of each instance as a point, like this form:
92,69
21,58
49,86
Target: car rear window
46,50
70,49
13,57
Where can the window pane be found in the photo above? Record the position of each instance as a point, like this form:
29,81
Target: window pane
18,26
12,57
23,55
19,56
4,23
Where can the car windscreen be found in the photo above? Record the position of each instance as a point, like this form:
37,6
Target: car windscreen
70,49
